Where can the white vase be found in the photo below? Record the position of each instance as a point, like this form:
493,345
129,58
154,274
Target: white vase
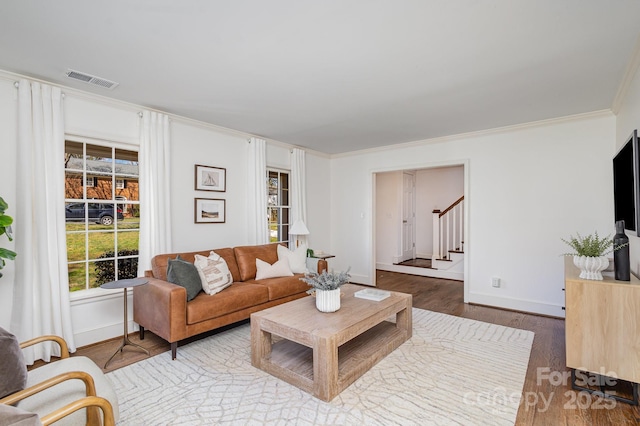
328,300
591,267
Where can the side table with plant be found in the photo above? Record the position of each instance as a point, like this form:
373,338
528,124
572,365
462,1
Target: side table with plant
590,254
5,228
326,287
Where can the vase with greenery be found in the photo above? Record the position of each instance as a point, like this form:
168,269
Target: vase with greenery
590,254
5,228
326,287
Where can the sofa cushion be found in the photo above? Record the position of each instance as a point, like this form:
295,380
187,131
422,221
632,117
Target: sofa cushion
214,273
159,262
283,286
246,257
13,369
297,258
184,274
235,298
278,269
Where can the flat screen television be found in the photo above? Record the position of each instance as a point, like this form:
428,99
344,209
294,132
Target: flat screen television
626,183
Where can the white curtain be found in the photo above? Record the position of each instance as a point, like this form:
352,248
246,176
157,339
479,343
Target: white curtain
41,291
257,222
298,188
155,178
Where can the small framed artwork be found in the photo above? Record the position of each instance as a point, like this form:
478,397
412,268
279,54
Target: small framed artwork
211,178
210,210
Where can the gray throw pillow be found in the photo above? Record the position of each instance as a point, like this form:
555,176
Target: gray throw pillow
13,370
184,274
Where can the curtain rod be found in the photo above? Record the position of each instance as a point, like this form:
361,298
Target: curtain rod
16,84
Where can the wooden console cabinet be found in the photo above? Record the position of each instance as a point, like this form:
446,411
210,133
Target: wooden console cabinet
602,325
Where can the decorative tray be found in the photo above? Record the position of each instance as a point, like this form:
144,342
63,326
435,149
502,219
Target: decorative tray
372,294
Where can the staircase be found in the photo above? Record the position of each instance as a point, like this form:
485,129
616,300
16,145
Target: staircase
448,238
447,260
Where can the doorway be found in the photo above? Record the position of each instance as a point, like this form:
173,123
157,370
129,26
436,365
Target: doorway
404,201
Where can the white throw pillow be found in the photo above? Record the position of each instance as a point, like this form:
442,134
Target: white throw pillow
297,259
214,273
278,269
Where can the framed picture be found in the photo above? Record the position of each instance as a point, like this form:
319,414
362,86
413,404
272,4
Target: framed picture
211,178
210,210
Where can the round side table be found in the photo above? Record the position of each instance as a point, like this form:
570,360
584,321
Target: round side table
125,284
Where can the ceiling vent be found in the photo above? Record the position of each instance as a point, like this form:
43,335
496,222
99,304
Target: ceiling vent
91,79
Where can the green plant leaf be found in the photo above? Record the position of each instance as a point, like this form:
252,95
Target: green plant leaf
5,220
3,205
7,254
591,245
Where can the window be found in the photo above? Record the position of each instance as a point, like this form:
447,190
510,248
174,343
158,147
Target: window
102,216
278,205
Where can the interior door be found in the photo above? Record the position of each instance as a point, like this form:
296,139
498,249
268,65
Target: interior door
408,216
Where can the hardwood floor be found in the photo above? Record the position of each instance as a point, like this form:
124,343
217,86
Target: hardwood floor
417,263
547,396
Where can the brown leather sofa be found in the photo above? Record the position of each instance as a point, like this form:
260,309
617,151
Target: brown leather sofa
162,308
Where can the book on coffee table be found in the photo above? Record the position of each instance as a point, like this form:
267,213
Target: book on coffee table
372,294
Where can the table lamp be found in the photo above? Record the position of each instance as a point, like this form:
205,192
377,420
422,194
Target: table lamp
298,228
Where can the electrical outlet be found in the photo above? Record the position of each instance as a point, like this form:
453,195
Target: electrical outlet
495,282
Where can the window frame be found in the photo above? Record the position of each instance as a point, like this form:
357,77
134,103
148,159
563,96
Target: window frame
282,225
116,202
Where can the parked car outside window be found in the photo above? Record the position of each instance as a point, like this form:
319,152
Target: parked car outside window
98,213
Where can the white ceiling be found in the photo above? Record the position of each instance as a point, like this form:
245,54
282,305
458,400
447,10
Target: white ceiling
334,75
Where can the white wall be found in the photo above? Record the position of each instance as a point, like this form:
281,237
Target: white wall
436,188
628,119
528,187
98,315
8,135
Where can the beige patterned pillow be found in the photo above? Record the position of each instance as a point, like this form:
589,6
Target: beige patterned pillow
214,273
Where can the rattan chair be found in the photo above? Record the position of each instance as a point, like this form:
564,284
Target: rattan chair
72,390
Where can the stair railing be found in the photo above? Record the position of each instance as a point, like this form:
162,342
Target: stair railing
448,230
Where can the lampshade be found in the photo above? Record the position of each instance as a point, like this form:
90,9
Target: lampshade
299,228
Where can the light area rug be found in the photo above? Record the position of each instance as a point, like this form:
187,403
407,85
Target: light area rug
453,371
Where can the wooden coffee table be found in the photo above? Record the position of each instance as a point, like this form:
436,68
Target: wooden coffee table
323,353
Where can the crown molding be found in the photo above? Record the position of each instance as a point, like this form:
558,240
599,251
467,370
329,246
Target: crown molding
479,133
107,101
627,79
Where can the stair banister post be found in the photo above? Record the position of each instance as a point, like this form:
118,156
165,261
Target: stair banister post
460,224
447,245
454,229
436,235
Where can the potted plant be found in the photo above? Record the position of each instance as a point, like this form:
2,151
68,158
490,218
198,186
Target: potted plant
326,287
590,254
5,228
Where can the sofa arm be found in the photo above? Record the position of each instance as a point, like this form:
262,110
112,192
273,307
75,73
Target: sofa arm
161,307
315,264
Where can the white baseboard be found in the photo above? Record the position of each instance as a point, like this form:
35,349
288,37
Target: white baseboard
423,272
88,337
512,303
361,279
